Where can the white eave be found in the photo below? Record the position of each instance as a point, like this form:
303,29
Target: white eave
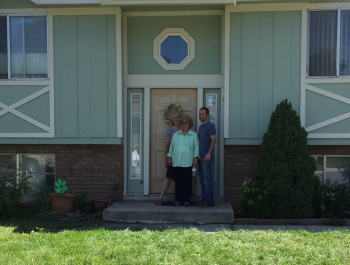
65,2
135,2
166,2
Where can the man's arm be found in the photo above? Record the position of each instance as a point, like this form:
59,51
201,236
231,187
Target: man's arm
211,148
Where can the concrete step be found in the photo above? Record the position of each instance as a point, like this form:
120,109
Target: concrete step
131,211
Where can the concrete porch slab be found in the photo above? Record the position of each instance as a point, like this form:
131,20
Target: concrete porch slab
148,212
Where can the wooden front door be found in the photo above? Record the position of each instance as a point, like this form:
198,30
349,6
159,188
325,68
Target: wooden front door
160,100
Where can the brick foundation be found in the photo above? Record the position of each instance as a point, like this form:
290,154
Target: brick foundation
241,162
95,168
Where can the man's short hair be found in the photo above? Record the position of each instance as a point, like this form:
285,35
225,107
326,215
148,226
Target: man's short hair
206,109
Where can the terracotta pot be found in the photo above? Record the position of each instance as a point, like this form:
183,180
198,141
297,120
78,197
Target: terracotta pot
100,205
62,203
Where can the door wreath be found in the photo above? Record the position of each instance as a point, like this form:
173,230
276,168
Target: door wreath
168,109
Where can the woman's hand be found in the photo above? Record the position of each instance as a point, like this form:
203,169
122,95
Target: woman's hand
170,162
195,162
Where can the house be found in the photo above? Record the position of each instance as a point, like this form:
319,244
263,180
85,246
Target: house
84,83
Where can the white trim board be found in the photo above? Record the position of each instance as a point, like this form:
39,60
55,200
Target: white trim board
329,121
174,13
12,109
65,2
163,2
171,81
226,86
119,70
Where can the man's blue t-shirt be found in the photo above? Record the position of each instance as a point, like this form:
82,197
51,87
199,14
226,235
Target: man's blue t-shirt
204,133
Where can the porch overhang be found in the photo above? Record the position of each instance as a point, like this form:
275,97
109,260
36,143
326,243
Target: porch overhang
165,2
135,2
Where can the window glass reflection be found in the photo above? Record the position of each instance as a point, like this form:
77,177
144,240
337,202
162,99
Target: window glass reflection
174,49
136,137
337,170
41,169
319,167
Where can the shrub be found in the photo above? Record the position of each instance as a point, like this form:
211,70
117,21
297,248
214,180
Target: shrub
12,189
284,179
333,201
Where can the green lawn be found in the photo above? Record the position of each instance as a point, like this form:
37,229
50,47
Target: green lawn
79,245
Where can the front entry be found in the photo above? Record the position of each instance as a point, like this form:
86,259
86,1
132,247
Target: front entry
160,100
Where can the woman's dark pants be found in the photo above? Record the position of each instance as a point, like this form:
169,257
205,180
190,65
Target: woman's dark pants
183,184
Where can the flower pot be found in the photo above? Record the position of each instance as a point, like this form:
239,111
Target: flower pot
62,202
100,205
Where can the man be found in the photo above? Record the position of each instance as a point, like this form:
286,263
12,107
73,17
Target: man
207,141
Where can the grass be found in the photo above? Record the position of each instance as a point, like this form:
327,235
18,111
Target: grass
87,244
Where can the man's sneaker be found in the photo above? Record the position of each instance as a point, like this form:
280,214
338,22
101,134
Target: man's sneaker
176,203
205,204
186,204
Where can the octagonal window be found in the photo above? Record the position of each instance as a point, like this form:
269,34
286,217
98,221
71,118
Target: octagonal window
173,49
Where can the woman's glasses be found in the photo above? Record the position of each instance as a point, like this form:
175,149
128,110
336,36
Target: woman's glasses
184,122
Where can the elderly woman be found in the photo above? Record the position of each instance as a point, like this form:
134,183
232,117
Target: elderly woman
175,126
183,154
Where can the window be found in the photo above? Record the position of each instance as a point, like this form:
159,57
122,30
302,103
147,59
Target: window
23,47
173,49
333,169
41,168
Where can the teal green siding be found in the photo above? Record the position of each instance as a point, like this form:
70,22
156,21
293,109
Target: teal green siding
37,108
205,30
264,70
317,112
85,76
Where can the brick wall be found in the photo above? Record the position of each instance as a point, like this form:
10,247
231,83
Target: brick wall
93,169
241,162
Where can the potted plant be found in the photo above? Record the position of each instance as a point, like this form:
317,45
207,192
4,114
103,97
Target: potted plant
99,205
61,201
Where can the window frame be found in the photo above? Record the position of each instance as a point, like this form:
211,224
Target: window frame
324,165
173,32
9,46
337,44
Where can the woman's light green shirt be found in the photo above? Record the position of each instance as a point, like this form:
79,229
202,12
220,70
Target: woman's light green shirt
183,148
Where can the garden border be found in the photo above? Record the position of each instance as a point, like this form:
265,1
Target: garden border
307,221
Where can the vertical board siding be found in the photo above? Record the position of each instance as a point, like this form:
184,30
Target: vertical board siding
85,76
250,75
264,68
112,72
98,53
84,66
282,56
236,75
69,78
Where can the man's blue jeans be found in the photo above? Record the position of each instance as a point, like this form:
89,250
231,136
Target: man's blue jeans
205,171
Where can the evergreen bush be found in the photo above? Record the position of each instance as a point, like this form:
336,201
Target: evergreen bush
284,179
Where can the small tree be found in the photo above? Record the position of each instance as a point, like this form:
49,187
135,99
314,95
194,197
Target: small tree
284,179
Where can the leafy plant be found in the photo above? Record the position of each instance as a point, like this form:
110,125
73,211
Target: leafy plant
12,189
79,200
60,186
40,199
284,179
333,201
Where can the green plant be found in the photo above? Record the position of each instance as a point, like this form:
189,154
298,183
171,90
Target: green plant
79,200
40,199
284,178
333,201
12,189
